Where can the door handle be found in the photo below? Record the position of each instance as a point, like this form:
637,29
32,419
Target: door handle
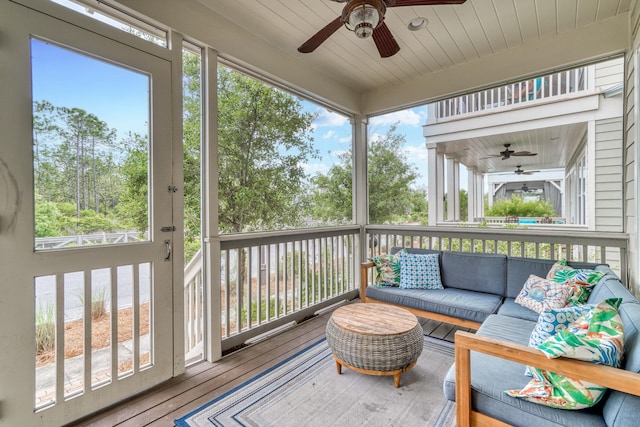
167,243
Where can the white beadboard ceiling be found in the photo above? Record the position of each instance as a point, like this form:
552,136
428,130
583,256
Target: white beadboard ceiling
553,146
456,35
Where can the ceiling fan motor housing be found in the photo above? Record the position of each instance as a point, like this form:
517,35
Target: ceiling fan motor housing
363,16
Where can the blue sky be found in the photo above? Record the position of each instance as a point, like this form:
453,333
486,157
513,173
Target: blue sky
332,134
116,95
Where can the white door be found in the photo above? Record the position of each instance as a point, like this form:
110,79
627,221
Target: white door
85,192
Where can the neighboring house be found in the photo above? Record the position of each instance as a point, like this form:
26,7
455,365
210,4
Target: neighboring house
573,122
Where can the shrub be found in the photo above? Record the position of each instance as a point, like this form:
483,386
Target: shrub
520,207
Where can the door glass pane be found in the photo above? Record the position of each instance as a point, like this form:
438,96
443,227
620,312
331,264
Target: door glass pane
91,149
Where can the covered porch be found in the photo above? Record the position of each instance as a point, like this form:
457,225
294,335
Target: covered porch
257,290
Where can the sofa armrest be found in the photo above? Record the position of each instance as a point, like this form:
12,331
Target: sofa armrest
364,279
465,342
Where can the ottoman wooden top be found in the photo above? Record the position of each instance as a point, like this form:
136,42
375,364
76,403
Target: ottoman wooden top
374,319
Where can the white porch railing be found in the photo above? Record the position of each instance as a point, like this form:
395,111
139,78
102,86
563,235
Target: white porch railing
193,308
271,279
563,84
89,239
579,246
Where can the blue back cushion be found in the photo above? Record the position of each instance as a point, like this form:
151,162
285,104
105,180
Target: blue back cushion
610,287
475,272
621,409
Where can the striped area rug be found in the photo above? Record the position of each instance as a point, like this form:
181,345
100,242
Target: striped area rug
307,390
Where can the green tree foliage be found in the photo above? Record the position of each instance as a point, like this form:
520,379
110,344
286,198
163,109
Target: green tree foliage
331,193
264,139
134,201
390,176
464,205
192,129
74,171
71,155
518,206
391,196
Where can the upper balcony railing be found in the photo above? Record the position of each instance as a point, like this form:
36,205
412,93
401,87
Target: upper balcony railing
564,84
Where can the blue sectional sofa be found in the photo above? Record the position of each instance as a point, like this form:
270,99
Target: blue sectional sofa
479,293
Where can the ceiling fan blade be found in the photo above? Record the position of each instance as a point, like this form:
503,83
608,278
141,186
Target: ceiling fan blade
424,2
386,44
524,153
318,38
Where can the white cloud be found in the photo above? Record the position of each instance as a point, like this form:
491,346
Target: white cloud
328,118
329,135
418,154
345,140
312,169
376,136
404,117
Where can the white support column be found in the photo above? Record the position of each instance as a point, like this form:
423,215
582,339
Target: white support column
479,195
211,246
453,189
436,184
590,202
471,195
360,196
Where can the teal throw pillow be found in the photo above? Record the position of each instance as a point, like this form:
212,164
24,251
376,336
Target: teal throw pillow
387,269
420,271
581,280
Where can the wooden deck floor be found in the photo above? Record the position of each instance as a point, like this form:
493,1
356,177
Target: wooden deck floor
206,381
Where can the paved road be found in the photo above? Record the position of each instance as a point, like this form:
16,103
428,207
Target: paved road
101,285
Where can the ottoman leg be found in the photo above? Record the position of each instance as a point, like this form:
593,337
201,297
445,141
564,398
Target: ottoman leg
396,380
339,367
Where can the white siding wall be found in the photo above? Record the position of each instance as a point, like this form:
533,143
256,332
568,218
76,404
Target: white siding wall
608,74
608,175
630,175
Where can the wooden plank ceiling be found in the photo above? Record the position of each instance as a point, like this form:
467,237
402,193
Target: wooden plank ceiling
454,35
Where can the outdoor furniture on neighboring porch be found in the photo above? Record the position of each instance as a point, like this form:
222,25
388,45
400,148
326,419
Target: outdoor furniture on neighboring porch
375,339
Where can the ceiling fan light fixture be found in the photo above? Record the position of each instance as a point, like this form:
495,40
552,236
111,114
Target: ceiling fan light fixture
362,17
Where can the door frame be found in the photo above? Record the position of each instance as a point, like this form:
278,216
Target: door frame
16,235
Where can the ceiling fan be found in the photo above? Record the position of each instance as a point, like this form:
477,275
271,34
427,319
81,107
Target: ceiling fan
507,153
366,19
519,171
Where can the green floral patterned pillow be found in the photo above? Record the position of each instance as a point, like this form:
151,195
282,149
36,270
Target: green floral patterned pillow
597,337
387,271
581,280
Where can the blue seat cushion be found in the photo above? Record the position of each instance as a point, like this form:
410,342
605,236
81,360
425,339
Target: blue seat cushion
490,376
463,304
621,409
510,308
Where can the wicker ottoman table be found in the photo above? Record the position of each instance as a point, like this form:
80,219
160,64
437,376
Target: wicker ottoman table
375,339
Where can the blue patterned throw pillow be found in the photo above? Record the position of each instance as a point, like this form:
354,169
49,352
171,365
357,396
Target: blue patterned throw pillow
552,320
420,271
